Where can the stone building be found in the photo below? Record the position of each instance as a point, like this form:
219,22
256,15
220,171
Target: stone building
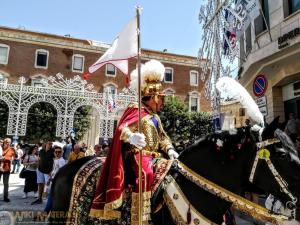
233,115
38,55
271,70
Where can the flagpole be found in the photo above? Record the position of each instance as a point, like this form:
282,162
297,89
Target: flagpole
138,11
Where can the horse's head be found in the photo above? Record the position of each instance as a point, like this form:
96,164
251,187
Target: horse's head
277,170
220,157
227,159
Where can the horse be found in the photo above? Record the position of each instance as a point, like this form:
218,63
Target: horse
223,158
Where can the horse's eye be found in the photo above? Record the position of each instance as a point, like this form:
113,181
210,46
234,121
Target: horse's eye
282,155
278,145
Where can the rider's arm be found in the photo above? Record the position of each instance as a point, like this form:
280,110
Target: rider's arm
127,131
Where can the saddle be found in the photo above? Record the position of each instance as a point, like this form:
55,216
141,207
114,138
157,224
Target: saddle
161,168
85,185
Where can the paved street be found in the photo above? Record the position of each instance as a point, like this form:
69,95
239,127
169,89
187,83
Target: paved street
21,208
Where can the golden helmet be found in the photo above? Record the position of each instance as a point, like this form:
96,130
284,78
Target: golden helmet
152,74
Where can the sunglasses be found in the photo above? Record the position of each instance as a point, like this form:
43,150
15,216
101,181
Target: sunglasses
58,152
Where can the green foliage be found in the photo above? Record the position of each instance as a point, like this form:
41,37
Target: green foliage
176,119
182,126
82,121
201,125
41,122
3,118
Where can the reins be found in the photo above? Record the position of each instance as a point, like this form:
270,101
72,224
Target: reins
238,202
264,154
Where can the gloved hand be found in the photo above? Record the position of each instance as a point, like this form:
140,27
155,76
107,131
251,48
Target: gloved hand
137,139
172,154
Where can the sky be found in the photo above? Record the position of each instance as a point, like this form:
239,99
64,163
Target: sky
165,24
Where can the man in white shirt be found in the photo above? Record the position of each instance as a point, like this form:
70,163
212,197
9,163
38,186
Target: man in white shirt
57,164
17,161
1,154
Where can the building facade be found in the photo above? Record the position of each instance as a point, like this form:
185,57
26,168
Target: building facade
270,59
37,55
233,114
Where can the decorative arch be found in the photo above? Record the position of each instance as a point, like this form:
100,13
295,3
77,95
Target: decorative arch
7,104
39,98
95,105
7,99
66,95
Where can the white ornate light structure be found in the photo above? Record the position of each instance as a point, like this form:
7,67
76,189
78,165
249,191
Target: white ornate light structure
219,60
66,95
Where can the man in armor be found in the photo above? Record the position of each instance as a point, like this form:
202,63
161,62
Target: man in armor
120,171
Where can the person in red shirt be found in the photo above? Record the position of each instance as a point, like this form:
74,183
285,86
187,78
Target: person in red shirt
7,154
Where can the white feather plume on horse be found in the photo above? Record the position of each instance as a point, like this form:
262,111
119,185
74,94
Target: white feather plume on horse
235,90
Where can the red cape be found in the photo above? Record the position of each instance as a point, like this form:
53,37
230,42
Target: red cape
110,187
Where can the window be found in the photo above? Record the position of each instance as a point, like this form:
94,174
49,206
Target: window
242,49
259,23
41,58
169,75
78,63
4,51
248,40
38,80
169,92
111,70
37,83
3,78
194,102
194,78
294,5
110,89
242,111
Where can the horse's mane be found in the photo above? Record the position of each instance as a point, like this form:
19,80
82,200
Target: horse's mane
235,136
219,140
288,146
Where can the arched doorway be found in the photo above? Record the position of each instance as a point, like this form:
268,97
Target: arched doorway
41,123
3,118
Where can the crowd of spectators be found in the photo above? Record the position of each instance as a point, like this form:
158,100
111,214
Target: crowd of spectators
41,162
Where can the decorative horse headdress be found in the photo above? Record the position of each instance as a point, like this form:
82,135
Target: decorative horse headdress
236,90
152,74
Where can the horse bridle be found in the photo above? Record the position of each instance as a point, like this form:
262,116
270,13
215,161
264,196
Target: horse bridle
264,154
237,201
